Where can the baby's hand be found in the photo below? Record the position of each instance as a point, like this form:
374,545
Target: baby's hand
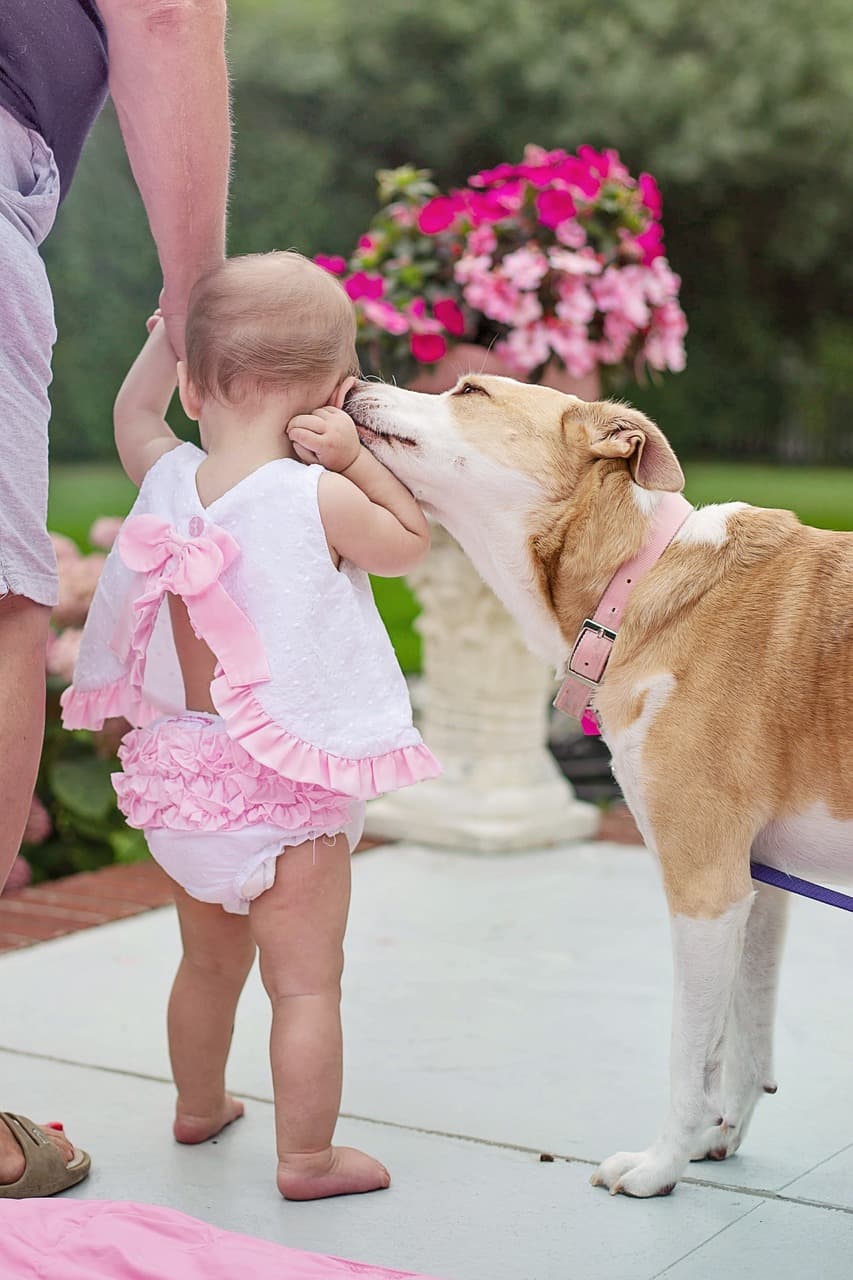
153,320
327,436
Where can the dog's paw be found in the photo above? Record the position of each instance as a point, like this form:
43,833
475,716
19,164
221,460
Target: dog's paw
717,1143
639,1173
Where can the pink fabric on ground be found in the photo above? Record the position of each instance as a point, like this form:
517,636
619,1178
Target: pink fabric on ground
119,1240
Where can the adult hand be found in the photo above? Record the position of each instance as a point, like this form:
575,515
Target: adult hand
175,320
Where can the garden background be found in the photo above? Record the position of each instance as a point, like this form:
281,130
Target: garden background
742,113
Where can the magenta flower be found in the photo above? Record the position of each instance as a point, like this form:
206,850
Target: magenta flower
364,284
427,348
554,206
651,243
650,195
448,312
335,265
438,214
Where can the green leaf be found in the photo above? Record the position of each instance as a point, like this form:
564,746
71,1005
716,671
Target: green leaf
128,845
83,787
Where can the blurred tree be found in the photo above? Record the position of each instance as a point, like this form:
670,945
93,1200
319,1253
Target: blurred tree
741,111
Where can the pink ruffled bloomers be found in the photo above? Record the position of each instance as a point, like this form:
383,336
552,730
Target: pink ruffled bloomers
185,773
214,818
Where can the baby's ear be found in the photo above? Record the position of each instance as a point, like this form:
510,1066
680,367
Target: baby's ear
337,400
629,434
189,397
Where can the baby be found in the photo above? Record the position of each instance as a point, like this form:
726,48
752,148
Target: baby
234,625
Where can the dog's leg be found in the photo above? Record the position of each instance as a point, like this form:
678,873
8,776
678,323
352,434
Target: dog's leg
748,1053
706,956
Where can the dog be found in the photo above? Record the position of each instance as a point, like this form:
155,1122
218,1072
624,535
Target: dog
727,703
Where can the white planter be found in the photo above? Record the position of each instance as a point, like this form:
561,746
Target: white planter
485,712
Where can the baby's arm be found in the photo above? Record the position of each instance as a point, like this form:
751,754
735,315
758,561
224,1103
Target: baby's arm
369,517
141,432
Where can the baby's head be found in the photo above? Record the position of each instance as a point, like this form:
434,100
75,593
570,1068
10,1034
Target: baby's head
266,324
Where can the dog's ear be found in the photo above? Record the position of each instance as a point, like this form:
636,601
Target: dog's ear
627,433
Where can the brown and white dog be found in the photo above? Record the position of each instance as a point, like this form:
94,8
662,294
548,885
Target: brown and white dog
727,704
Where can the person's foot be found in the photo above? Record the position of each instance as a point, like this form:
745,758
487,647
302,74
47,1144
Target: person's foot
192,1129
337,1171
12,1159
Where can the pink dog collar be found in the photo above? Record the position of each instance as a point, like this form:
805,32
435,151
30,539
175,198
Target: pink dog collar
591,652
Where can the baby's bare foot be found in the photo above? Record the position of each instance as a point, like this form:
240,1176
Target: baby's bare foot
337,1171
192,1129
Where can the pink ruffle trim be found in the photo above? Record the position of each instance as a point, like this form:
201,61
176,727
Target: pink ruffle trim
89,708
194,778
250,725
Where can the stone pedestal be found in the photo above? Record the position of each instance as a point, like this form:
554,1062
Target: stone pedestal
485,716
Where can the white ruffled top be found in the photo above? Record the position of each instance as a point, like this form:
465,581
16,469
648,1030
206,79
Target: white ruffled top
306,679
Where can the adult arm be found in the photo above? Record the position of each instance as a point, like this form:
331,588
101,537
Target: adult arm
169,84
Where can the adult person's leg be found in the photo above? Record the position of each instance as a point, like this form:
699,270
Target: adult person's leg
29,192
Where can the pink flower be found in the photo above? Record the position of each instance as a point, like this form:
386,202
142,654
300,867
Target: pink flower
21,873
618,334
525,349
104,531
404,215
482,241
664,347
554,207
497,298
438,214
576,304
584,263
525,268
65,550
662,283
367,242
384,316
364,284
448,312
650,195
335,265
39,825
471,268
623,290
651,243
78,580
571,343
570,233
62,651
427,348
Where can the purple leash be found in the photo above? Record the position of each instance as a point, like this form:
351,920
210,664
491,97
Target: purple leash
793,884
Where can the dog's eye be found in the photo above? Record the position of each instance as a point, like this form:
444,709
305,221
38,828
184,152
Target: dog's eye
470,389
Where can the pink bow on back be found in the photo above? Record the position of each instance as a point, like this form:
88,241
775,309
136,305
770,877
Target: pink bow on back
188,565
190,568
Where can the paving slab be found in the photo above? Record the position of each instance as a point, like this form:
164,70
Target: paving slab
460,1210
774,1240
522,1000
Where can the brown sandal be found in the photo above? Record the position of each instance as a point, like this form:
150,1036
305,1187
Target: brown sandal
45,1172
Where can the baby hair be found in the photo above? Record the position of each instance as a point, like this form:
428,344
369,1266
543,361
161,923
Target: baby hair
266,322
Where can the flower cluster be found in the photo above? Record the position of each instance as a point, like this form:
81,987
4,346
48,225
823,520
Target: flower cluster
559,258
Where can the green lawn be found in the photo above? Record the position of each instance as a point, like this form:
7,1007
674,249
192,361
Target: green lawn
821,496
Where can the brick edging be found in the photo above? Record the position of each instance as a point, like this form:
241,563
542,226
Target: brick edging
42,912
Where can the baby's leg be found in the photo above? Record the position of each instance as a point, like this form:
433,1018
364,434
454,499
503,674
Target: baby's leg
299,926
218,954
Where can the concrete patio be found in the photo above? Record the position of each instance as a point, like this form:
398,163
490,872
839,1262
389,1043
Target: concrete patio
495,1009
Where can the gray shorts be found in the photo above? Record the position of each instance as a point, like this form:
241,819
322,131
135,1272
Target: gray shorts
29,194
